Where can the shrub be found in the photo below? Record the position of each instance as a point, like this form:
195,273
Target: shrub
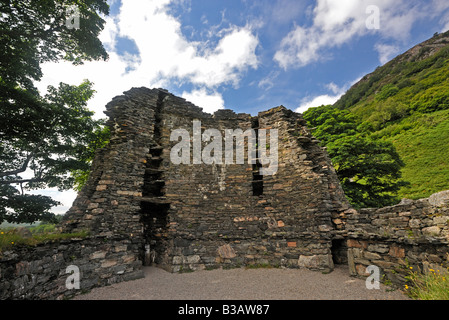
387,91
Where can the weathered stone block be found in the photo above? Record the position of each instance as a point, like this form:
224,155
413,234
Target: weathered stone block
92,205
108,263
371,255
357,243
291,244
98,255
193,259
433,231
379,248
361,270
226,252
440,199
397,252
414,223
316,262
441,221
101,187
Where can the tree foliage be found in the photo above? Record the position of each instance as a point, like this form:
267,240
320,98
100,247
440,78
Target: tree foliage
44,139
369,170
100,139
41,147
33,32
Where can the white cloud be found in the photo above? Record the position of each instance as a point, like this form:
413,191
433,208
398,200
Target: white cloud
109,78
445,28
325,99
317,101
445,21
269,81
337,22
386,52
234,54
333,87
165,52
166,58
209,102
284,11
107,36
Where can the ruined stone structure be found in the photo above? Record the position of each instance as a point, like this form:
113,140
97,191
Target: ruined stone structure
196,216
140,208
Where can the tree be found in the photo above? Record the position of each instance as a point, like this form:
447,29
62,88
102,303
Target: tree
100,140
330,123
33,32
369,170
43,139
53,141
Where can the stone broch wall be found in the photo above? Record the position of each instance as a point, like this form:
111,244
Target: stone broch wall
141,209
196,216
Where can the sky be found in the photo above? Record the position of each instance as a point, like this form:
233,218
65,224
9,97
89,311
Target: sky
248,56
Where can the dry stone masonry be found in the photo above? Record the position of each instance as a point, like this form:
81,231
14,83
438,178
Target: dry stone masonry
412,234
142,208
197,215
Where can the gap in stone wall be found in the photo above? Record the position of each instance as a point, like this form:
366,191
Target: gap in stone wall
257,183
154,207
155,220
339,251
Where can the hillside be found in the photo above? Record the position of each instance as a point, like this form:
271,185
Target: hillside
406,102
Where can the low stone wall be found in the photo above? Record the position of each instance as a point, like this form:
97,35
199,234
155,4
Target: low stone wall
41,272
412,234
297,253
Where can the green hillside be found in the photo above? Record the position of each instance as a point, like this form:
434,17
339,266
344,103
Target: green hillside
406,102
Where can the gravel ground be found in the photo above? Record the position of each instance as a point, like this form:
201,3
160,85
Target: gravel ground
243,284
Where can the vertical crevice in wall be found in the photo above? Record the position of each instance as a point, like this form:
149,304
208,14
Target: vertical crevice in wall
154,204
257,183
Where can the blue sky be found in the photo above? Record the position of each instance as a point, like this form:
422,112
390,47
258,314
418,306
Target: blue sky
246,55
250,55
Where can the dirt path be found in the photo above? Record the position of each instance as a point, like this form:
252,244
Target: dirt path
243,284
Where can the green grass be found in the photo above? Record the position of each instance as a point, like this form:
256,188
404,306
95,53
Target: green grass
424,148
260,266
41,234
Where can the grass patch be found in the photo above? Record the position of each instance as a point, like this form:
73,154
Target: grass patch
260,266
424,149
434,285
10,237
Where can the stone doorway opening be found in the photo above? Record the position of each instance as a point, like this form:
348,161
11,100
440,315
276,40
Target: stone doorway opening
155,222
339,250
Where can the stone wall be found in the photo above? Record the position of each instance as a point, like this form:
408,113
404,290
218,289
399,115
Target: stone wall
215,217
41,272
195,216
411,234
